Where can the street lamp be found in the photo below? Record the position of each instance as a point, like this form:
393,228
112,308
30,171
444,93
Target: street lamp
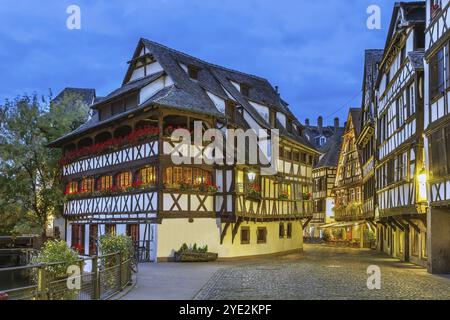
422,184
251,176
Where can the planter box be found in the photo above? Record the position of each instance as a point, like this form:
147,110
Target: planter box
195,257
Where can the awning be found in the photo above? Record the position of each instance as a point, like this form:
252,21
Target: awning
343,224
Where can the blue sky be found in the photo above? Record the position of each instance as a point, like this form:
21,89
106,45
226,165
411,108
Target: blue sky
313,50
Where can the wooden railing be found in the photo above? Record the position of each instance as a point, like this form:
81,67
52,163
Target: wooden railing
352,212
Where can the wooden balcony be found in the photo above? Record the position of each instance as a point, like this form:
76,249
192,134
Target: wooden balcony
128,205
319,217
368,208
120,156
351,212
272,208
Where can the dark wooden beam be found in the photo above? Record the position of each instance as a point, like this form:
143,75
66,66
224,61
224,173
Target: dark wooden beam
306,223
235,229
224,232
413,225
398,224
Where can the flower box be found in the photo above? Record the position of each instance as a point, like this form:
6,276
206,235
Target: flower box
195,256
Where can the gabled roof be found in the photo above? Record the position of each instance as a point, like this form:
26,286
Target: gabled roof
189,94
331,150
355,114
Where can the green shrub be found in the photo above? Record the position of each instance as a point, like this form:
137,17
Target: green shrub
57,257
194,249
110,244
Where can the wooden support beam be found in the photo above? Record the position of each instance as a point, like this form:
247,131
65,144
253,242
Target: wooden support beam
235,229
306,223
413,225
398,224
224,232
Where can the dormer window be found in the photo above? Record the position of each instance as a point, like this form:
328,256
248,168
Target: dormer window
193,72
245,89
230,110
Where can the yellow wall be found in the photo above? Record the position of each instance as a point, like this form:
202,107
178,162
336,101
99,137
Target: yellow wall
172,233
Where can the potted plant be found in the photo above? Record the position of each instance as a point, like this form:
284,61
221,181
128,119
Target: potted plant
254,191
194,254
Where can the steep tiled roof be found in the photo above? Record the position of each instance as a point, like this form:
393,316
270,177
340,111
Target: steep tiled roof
189,94
331,150
356,118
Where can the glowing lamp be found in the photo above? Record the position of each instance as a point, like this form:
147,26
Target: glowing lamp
422,184
251,176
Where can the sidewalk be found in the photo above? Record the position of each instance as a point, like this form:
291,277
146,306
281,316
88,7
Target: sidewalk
171,281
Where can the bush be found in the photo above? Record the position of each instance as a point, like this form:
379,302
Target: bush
110,244
56,251
194,249
60,257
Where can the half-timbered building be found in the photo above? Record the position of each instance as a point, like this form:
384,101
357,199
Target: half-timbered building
437,132
401,201
324,177
366,139
120,176
348,184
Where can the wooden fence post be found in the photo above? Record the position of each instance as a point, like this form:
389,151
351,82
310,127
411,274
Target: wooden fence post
42,283
95,279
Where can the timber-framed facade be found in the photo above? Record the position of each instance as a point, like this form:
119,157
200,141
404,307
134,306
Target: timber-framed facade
437,133
120,177
399,109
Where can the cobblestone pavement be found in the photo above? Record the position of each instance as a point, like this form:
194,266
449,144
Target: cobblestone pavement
324,272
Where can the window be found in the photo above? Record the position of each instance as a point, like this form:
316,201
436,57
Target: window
230,110
261,235
296,156
281,230
245,89
245,235
117,107
110,229
424,245
87,185
174,176
72,187
104,113
133,232
131,102
437,74
193,72
412,101
78,238
147,175
437,143
104,183
289,231
123,180
93,237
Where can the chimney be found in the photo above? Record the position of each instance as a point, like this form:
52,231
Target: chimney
276,89
307,122
320,124
336,123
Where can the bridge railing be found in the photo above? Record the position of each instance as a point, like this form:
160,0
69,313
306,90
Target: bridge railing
92,278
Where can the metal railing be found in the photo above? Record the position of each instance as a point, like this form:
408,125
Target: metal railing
98,278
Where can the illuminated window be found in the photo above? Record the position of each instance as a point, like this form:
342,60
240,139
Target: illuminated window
424,245
87,185
147,175
123,180
78,238
173,176
104,183
72,187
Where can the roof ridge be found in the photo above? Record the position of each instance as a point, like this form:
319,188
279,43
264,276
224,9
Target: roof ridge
203,61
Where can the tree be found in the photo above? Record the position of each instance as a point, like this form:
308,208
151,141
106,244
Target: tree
31,191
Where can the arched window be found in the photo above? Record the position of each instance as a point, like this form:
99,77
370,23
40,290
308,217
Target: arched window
102,137
104,183
147,175
72,187
87,185
123,180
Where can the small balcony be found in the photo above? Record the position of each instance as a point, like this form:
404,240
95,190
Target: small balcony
350,212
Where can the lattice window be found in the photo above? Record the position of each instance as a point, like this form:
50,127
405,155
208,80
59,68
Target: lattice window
123,180
147,175
104,183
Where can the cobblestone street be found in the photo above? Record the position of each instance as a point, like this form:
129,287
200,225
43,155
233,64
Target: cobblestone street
323,272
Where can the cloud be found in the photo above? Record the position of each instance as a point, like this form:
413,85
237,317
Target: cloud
313,50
